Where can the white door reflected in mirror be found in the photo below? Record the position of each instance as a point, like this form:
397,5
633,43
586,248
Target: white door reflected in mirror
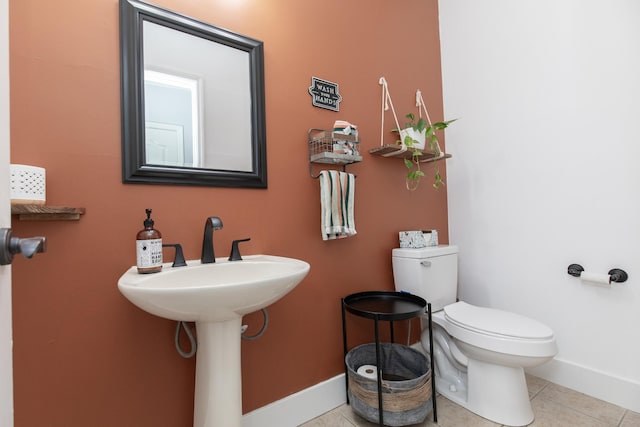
173,115
164,144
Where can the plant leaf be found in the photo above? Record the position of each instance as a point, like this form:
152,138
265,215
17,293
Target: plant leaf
443,125
408,141
415,175
433,144
438,182
430,131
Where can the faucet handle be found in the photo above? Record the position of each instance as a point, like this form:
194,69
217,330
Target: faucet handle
178,261
235,251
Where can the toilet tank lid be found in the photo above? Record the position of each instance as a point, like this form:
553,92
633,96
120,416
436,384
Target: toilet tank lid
427,252
496,322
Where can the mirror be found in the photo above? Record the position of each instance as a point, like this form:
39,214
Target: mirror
192,101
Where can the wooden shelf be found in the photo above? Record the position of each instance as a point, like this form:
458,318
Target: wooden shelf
46,213
395,150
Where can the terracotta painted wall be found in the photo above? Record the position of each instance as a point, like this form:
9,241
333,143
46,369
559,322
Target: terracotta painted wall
83,354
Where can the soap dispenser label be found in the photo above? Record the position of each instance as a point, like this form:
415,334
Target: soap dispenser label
149,253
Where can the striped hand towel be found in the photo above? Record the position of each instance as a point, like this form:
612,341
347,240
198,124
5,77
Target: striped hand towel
337,190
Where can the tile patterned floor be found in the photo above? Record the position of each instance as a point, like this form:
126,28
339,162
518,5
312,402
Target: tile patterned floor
553,406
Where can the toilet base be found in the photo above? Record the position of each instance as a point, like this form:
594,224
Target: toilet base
497,393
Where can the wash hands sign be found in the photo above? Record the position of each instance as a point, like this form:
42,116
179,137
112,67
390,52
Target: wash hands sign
324,94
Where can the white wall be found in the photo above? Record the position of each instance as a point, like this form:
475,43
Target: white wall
6,368
546,172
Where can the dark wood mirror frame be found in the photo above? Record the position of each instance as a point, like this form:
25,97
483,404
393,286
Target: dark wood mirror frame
133,13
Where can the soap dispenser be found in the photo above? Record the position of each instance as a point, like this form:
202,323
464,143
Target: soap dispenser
149,247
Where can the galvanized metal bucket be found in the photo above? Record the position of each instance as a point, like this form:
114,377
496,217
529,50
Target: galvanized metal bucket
406,384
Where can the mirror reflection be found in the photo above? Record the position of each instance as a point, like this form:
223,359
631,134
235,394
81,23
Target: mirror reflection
172,120
193,101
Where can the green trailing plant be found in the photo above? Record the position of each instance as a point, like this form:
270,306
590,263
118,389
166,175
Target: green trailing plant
413,163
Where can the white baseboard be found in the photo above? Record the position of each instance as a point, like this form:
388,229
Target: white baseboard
299,407
601,385
314,401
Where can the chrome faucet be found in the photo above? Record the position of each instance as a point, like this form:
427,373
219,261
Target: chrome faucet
211,224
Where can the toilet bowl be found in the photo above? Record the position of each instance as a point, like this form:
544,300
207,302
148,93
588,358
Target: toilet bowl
479,353
480,360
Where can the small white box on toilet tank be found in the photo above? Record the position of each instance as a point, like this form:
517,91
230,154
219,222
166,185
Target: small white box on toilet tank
418,238
430,273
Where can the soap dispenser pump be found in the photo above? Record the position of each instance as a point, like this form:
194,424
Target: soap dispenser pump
149,247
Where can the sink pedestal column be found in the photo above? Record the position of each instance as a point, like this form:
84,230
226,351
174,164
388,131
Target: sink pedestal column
218,393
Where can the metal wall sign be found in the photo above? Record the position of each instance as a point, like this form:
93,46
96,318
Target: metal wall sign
324,94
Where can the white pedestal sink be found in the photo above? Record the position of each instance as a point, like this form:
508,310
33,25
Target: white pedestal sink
215,296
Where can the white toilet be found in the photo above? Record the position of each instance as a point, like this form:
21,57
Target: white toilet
479,352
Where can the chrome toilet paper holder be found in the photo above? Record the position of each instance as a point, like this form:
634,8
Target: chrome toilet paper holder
617,275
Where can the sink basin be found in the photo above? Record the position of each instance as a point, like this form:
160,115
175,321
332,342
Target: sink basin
213,292
215,296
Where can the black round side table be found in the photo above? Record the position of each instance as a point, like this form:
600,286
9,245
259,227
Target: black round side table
386,306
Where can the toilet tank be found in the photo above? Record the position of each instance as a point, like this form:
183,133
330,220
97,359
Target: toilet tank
430,273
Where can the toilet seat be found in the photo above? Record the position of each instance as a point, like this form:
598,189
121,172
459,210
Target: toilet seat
498,323
498,330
